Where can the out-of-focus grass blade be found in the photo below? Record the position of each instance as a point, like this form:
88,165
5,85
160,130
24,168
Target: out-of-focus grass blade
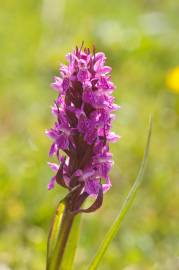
125,207
61,222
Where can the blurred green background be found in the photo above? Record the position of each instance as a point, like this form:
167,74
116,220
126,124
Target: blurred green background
141,41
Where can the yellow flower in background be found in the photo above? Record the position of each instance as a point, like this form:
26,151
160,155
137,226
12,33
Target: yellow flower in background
172,79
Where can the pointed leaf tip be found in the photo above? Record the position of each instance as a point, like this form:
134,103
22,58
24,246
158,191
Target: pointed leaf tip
113,230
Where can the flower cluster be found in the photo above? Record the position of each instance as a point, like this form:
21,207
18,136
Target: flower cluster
81,134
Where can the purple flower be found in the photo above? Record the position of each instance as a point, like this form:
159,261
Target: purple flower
81,134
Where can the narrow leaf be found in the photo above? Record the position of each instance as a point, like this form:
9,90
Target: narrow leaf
70,250
63,237
54,231
125,207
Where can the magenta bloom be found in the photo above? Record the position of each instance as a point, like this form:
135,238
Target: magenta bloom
81,134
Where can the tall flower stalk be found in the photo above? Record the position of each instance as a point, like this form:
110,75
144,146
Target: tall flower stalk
81,136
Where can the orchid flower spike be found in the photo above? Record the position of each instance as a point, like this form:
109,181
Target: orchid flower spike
82,130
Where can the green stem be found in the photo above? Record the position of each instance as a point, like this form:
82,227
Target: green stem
63,236
64,231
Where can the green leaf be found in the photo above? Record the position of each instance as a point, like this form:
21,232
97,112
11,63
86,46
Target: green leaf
54,231
70,250
124,209
63,237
